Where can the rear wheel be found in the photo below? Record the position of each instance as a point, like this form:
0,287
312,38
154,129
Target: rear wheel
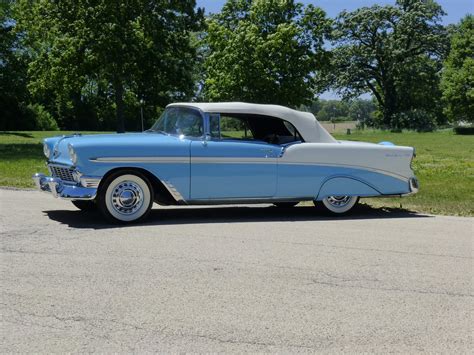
85,205
338,204
125,197
285,204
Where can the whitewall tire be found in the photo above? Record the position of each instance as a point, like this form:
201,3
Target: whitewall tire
126,197
340,204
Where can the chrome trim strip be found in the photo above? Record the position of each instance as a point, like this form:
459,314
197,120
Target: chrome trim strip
249,200
383,172
235,160
90,181
173,191
169,160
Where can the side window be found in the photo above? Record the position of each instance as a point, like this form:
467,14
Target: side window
235,128
229,127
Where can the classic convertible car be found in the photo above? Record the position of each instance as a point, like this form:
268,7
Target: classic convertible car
222,153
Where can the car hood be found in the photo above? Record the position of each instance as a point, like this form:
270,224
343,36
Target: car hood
87,146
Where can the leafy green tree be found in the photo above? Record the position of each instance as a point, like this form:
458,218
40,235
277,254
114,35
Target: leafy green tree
458,75
333,110
362,111
392,52
13,92
87,52
264,51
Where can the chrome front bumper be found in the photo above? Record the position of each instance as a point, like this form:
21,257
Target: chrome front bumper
65,190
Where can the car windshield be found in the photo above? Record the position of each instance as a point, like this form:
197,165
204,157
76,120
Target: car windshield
181,121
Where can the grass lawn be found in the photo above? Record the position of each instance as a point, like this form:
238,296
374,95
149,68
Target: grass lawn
444,167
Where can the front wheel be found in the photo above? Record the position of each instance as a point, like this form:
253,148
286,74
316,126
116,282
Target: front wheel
339,204
125,197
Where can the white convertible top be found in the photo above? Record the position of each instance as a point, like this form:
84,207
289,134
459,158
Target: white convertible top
305,122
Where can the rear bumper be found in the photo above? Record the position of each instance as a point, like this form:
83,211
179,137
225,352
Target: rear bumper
414,186
65,190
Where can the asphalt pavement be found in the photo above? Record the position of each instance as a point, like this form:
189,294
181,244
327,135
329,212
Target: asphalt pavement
233,279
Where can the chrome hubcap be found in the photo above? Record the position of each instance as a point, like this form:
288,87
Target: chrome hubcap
339,201
127,197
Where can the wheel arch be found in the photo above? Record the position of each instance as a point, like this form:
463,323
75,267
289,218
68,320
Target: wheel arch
161,194
343,185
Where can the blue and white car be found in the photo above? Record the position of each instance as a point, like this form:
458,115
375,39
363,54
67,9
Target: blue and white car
222,153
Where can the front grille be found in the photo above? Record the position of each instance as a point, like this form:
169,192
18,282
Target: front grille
64,174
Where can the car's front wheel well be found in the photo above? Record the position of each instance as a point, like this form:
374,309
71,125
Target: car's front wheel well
162,195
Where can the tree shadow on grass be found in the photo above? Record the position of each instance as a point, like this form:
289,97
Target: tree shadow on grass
229,214
19,134
20,151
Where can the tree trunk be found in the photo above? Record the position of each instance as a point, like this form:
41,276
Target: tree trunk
390,107
119,106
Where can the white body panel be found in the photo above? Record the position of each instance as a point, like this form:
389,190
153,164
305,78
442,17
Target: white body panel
388,160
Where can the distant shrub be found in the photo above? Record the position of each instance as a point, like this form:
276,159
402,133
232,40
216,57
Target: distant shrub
43,120
464,130
416,119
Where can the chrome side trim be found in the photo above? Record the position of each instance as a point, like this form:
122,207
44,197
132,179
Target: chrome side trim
186,160
234,160
169,160
383,172
90,181
173,191
238,201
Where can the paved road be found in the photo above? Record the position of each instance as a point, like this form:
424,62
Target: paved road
233,279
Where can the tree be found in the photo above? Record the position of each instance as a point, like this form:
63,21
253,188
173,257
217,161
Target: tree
13,93
120,51
264,51
362,111
458,76
392,52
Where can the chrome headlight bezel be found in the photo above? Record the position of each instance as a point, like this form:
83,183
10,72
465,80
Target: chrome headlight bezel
46,150
72,154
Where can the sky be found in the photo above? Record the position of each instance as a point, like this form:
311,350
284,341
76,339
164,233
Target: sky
455,10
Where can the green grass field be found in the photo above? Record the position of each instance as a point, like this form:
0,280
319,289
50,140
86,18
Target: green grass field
444,167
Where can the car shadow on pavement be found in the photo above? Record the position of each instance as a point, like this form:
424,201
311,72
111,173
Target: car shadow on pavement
177,215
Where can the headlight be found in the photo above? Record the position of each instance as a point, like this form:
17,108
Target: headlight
46,151
72,154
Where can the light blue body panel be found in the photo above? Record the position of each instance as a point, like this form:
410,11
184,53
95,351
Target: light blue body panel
217,170
225,170
307,180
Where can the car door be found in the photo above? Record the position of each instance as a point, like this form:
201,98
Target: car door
229,164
